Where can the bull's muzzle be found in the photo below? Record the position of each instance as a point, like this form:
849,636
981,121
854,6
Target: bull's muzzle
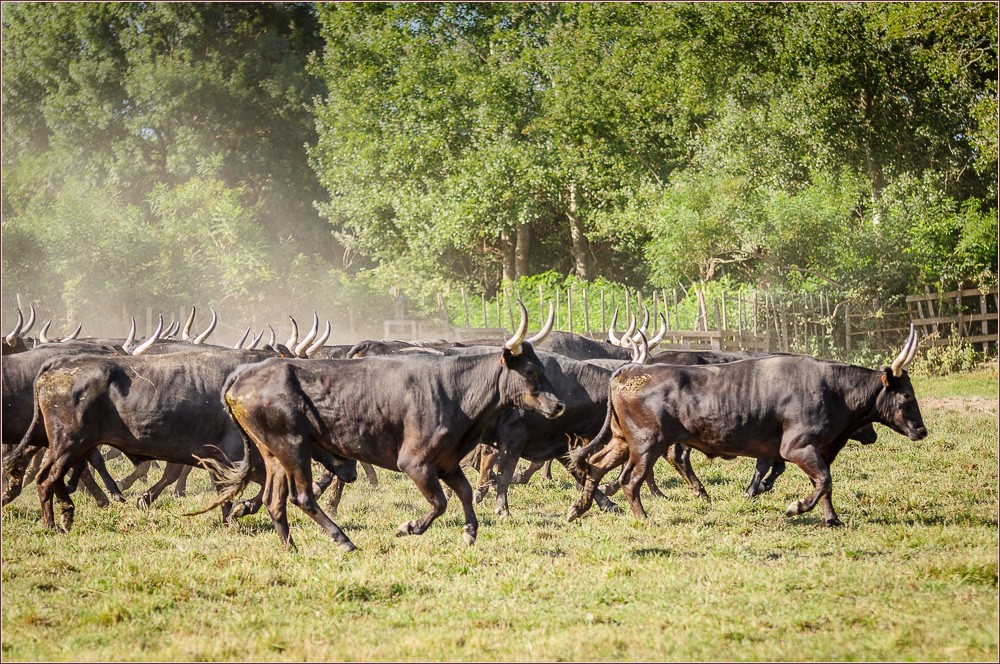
916,433
550,406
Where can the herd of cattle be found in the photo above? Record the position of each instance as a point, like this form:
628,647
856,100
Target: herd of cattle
426,409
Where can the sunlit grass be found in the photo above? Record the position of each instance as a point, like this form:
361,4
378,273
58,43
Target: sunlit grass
912,575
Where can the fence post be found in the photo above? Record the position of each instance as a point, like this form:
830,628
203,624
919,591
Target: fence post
847,331
604,322
628,302
586,312
783,315
725,315
499,316
958,303
557,309
677,315
569,306
541,301
465,305
510,312
486,318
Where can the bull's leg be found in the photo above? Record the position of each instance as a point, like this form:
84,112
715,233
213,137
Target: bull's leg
761,484
21,474
95,459
112,453
487,458
679,456
370,473
170,474
180,486
50,485
505,473
777,468
602,500
812,464
336,493
276,499
610,456
91,486
35,465
297,462
524,476
547,470
460,485
139,472
322,483
425,477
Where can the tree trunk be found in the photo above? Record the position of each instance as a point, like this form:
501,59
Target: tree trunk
507,247
870,146
581,247
522,250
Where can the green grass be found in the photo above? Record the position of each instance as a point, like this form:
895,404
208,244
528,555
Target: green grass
912,575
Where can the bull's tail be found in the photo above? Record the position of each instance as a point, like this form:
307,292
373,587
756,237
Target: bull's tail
578,459
231,480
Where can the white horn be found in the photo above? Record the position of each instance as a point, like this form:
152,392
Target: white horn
643,350
17,328
271,340
901,361
913,349
611,330
255,341
660,334
130,339
74,335
294,338
539,337
320,341
144,346
239,344
42,336
211,326
630,330
31,320
514,343
300,349
186,332
645,323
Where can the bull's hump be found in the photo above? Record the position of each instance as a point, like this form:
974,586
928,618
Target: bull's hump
629,384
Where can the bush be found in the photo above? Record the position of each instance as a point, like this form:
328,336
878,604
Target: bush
955,357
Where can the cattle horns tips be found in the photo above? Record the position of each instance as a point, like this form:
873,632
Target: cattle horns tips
514,343
539,337
906,355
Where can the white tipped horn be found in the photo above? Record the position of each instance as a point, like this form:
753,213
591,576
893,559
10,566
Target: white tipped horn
145,345
130,339
239,344
514,343
271,340
42,333
900,361
17,328
73,335
539,337
645,323
611,329
186,332
662,332
211,326
300,349
642,350
630,330
320,340
30,322
172,329
913,349
255,341
294,337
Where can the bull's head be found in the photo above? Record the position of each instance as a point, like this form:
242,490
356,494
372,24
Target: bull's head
524,382
896,404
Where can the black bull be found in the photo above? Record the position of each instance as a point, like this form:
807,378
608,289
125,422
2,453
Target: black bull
794,408
419,415
164,407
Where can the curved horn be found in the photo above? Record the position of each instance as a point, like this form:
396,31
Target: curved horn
611,330
514,343
645,323
294,338
901,359
31,320
17,328
239,344
300,349
255,341
73,335
539,337
130,339
144,346
211,326
42,336
320,340
642,350
186,333
898,363
913,349
172,329
271,341
662,332
630,330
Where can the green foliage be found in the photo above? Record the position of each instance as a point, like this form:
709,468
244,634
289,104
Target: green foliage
957,356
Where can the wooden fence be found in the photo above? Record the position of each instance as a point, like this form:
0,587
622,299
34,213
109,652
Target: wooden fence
968,314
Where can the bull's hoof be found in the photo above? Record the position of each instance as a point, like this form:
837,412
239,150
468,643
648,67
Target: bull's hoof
502,511
751,491
703,495
118,498
479,494
239,510
405,529
574,513
469,535
102,502
317,490
794,508
143,502
66,521
518,479
347,546
834,523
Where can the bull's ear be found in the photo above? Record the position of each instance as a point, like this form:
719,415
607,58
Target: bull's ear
505,356
886,376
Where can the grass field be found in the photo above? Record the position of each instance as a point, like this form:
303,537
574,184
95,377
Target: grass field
911,576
